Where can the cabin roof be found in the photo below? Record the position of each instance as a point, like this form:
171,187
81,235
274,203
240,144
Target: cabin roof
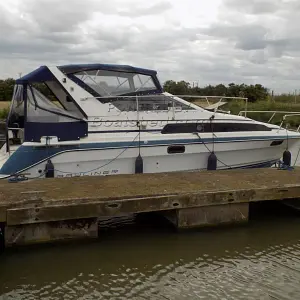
44,74
109,67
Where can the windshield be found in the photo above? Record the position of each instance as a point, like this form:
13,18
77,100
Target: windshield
158,102
112,83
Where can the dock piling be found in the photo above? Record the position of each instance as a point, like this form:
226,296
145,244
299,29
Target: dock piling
198,217
51,231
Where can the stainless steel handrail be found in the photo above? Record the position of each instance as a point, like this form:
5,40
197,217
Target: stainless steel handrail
274,112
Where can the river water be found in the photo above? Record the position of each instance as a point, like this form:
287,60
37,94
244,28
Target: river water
260,260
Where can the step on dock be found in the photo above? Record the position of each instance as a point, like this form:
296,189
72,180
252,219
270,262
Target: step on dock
46,210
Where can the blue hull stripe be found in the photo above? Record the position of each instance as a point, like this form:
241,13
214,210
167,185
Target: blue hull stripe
26,156
195,140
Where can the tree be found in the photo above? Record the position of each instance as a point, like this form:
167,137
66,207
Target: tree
256,92
6,89
252,92
177,88
220,90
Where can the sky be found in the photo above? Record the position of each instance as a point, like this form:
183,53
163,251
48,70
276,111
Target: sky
200,41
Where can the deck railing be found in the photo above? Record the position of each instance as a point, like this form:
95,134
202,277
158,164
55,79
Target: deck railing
287,114
171,100
209,100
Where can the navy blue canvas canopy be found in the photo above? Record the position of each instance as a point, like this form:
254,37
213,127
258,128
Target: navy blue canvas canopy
69,69
43,74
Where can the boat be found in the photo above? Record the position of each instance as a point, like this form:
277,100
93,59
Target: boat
105,119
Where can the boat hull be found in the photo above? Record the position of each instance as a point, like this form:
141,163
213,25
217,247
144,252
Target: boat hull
95,159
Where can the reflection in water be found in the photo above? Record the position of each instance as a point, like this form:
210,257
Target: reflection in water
258,261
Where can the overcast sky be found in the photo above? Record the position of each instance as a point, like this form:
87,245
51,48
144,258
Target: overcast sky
206,41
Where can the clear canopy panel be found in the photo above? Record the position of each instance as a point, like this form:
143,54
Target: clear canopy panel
40,109
16,113
44,118
156,102
112,83
113,86
41,117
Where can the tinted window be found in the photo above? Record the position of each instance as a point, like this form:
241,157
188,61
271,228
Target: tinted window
214,127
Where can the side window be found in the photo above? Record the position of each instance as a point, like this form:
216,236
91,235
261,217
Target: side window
105,83
143,82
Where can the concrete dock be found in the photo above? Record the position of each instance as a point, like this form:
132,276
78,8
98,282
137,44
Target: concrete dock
45,210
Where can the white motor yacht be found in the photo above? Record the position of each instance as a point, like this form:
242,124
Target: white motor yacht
116,119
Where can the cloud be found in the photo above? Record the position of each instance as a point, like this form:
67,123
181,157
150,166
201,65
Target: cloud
57,15
142,10
217,41
246,36
255,7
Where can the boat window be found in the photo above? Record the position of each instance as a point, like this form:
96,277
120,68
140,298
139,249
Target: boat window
16,113
155,102
144,103
214,127
18,101
112,83
64,100
41,109
143,82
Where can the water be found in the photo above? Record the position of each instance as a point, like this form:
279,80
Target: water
258,261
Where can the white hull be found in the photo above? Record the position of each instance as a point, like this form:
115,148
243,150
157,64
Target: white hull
95,162
295,151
